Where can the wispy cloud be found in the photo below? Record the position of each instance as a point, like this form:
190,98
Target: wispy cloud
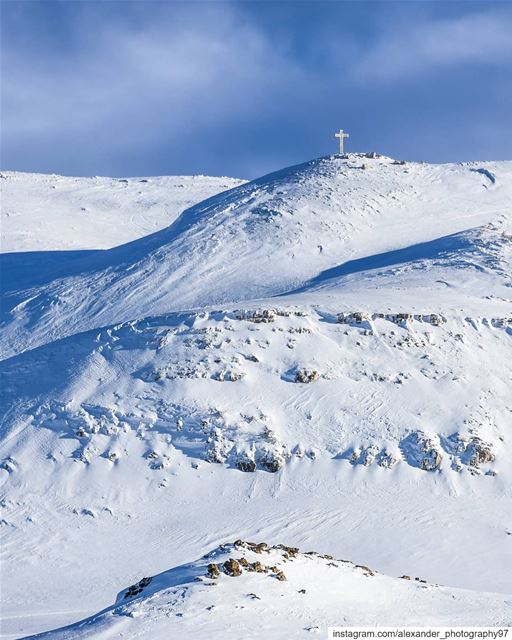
405,50
202,69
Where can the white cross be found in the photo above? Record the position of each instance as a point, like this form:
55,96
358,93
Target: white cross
341,136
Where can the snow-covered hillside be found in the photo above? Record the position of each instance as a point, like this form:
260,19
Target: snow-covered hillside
274,235
55,213
226,388
319,358
255,583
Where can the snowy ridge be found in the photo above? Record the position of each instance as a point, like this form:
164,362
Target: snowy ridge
253,584
264,238
477,261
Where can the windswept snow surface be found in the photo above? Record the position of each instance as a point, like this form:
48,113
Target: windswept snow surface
261,239
318,358
42,212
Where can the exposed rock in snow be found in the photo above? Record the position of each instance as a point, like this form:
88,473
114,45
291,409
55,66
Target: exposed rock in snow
421,451
305,375
137,588
258,315
269,459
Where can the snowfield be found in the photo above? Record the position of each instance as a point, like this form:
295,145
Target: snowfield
319,359
43,212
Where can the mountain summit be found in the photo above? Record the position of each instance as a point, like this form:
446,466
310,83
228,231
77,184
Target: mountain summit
286,231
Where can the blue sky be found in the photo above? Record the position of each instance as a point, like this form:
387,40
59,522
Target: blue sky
243,88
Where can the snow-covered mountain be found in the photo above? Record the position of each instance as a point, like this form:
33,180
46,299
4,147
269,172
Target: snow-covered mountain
318,358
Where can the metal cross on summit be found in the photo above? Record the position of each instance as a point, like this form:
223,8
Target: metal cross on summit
341,135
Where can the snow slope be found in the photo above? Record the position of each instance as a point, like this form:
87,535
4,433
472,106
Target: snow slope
43,212
261,239
250,585
362,411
